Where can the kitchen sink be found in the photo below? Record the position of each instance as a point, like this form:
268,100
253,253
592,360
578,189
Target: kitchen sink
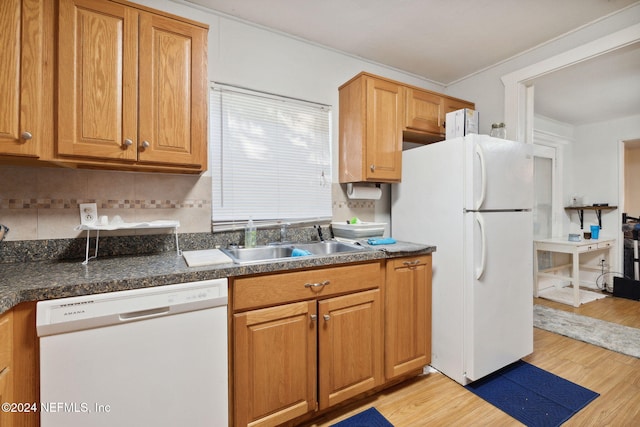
284,251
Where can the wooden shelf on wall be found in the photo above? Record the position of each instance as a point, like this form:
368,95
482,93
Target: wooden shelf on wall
598,210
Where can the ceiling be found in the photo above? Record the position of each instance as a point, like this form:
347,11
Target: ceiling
447,40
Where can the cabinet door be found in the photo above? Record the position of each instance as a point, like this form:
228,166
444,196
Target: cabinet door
350,346
21,85
5,396
6,365
173,90
275,364
424,111
97,80
408,315
384,116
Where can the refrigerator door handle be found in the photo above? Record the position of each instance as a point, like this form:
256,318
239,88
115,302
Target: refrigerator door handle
483,176
483,254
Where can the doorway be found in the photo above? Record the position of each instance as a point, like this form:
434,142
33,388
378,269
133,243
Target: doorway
543,166
544,188
630,206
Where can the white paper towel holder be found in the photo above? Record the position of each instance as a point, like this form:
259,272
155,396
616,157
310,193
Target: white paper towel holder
364,191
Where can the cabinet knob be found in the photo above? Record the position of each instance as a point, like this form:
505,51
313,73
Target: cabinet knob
326,317
26,135
313,317
127,143
145,144
373,168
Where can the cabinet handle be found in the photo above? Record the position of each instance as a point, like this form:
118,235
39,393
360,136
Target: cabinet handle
314,317
373,168
145,144
411,263
127,143
316,285
26,135
326,317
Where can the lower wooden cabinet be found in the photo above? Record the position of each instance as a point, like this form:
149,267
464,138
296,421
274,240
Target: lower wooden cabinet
407,315
284,354
298,357
6,366
305,341
19,365
275,364
350,346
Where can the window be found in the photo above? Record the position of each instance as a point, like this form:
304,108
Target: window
270,158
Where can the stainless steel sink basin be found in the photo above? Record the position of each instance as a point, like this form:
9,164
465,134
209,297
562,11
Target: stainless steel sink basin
329,247
279,252
258,254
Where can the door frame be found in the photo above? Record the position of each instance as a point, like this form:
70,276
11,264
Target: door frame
518,111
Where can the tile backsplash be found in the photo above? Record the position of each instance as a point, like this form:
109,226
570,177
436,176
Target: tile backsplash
41,203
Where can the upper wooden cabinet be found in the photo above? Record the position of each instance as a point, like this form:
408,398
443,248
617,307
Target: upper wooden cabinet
370,125
376,116
21,82
425,118
132,88
453,104
424,111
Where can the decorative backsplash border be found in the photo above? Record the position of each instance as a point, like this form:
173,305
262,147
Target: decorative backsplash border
47,203
354,204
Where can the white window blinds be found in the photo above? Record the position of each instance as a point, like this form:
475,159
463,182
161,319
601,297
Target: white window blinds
270,157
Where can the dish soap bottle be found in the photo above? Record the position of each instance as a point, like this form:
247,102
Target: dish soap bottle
250,234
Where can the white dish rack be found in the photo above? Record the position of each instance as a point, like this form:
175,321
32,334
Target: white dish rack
125,226
358,231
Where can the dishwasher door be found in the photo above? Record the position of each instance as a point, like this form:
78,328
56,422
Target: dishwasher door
148,357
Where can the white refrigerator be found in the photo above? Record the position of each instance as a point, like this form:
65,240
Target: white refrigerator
472,197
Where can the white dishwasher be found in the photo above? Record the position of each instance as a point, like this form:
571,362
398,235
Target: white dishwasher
145,357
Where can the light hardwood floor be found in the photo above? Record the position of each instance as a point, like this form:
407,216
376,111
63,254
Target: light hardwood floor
435,400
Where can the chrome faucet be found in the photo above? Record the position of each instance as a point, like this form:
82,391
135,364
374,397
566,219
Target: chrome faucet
283,231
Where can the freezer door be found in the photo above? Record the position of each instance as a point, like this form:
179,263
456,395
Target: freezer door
498,314
498,174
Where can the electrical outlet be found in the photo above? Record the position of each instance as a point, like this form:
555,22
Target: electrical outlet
88,213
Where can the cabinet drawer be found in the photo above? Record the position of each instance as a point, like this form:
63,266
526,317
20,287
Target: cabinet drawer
588,248
604,245
273,289
6,339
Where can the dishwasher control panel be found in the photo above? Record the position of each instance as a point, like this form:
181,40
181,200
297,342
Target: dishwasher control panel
90,311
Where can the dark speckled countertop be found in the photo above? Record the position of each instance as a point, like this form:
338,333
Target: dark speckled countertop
42,280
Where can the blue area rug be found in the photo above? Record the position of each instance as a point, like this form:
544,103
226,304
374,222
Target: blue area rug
369,418
532,395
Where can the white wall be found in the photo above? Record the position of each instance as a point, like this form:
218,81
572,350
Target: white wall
596,165
257,58
486,89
